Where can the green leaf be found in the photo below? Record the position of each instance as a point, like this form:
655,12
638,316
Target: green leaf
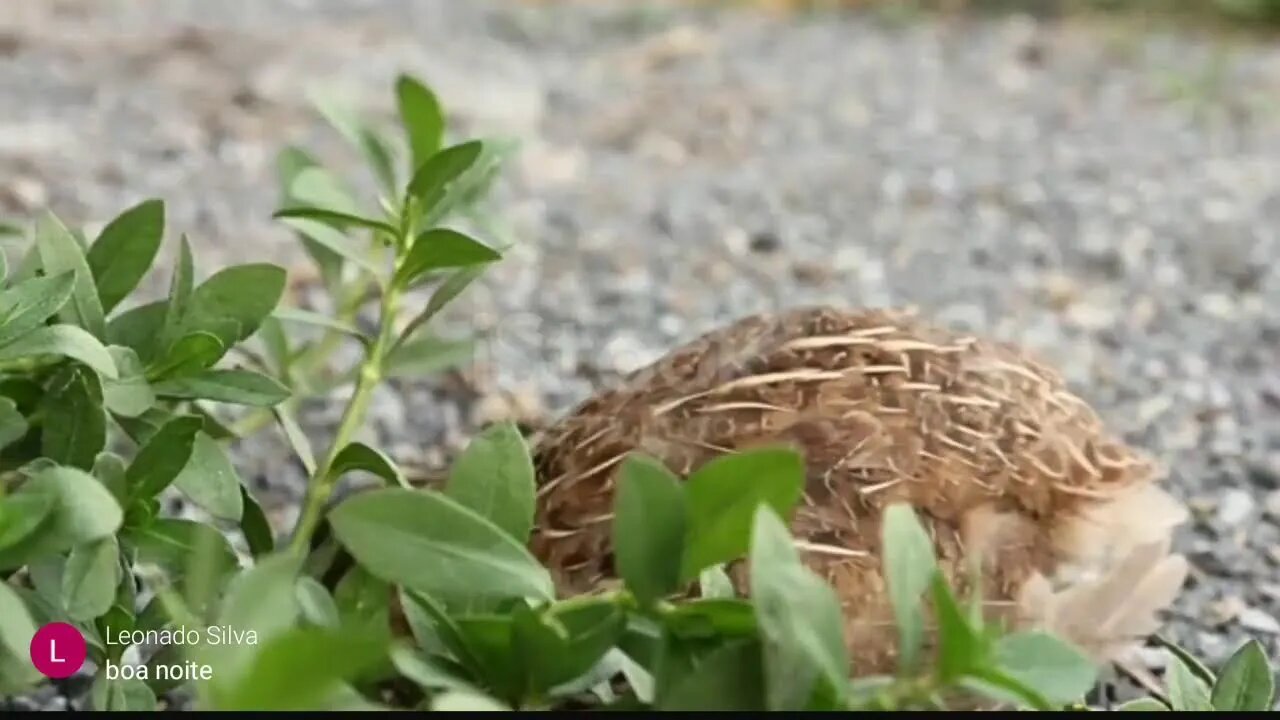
1001,687
175,545
145,426
139,329
494,478
299,669
358,456
290,163
722,499
714,583
339,219
1187,693
25,306
433,629
962,648
160,460
261,600
90,579
13,424
1193,663
129,394
565,641
181,288
425,356
75,426
65,340
240,387
908,567
421,117
428,542
418,669
363,600
441,248
258,534
1054,670
84,511
315,603
210,480
124,251
1246,681
333,241
728,678
799,616
449,289
23,511
110,470
59,253
432,178
16,630
315,319
648,529
243,294
712,619
1143,705
190,354
366,140
295,437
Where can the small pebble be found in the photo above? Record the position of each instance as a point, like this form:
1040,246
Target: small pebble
1235,508
1259,621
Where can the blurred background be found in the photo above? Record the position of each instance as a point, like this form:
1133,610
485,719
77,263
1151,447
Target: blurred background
1098,181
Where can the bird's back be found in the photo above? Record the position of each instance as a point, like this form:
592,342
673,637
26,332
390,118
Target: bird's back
998,458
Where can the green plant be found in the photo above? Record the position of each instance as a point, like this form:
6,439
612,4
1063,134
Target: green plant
396,596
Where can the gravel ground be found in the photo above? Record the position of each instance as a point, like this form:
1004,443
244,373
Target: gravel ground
1107,196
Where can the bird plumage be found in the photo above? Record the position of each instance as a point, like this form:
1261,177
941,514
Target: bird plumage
999,459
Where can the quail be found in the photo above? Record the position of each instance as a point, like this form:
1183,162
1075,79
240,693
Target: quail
998,458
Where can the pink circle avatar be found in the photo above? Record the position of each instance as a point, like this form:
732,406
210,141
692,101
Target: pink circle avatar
58,650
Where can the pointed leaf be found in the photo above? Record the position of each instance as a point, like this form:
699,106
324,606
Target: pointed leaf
649,529
90,579
908,567
210,480
129,394
429,543
243,294
13,424
494,477
1246,681
25,306
240,387
429,182
193,352
124,251
59,253
358,456
440,248
258,534
337,218
163,456
722,499
84,511
75,425
421,117
65,340
799,616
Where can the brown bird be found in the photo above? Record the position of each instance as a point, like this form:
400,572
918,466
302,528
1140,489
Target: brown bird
997,457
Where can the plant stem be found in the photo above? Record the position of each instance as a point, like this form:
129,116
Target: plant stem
320,486
312,358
